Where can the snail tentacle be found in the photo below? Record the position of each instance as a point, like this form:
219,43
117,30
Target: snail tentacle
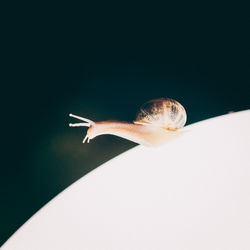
88,123
86,138
79,124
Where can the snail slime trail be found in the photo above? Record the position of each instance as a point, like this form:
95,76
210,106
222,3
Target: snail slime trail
157,122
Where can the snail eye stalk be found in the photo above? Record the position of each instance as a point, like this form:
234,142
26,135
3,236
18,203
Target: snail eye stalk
87,123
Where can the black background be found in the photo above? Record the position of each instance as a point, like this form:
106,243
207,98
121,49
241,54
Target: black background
102,61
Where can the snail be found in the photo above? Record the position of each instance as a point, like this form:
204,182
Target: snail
156,123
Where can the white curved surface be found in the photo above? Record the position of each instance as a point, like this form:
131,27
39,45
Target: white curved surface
193,193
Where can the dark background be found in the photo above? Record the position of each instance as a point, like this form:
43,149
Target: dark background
102,61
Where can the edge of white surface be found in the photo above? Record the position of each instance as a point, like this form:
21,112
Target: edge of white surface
139,147
187,128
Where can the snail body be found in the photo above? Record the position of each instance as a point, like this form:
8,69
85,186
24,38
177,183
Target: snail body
156,123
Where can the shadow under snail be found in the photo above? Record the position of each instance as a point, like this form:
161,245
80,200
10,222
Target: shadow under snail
156,123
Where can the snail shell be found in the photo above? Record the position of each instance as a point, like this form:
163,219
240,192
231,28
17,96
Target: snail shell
164,112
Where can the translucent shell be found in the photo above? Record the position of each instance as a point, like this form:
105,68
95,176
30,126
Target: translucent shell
164,112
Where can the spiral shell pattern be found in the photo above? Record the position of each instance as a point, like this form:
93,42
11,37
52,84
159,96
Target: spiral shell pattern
164,112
